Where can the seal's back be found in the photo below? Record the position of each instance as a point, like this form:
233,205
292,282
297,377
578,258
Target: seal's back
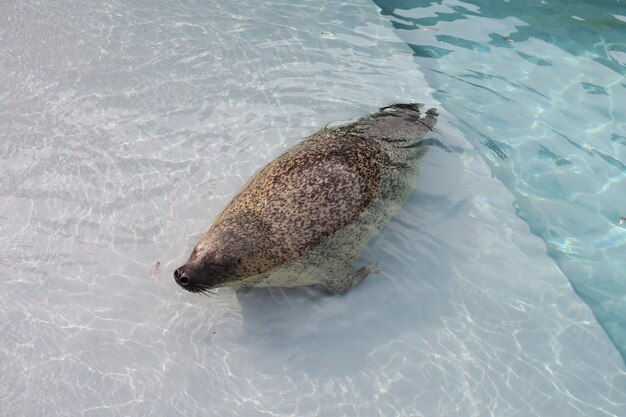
336,188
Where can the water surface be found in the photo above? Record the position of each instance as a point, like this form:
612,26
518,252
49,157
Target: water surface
126,128
539,90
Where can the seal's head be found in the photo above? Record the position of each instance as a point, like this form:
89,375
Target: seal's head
201,274
233,249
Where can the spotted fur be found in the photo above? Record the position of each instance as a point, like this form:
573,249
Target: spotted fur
305,217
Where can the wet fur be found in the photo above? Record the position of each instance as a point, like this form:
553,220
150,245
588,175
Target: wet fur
305,217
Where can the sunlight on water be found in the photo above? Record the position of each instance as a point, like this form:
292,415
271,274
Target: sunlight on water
126,126
540,92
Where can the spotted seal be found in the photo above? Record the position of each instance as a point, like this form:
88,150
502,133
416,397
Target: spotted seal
304,218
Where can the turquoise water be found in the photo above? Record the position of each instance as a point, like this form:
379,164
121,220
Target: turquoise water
539,89
125,127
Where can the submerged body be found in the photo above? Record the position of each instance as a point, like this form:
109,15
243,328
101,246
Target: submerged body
305,217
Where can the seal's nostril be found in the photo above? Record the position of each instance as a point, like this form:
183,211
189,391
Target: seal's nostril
184,279
176,274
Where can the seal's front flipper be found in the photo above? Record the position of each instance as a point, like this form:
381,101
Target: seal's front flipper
340,285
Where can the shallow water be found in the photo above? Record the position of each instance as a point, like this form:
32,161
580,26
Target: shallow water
126,128
539,90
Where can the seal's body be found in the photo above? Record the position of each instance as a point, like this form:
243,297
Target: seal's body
304,218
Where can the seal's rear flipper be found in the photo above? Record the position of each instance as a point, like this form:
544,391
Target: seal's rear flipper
430,119
406,106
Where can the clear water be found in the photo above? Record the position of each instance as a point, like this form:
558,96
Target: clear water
126,127
539,89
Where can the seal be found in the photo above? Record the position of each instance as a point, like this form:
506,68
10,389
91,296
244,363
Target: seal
305,217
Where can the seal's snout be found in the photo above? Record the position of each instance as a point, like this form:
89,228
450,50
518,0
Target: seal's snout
180,277
190,279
